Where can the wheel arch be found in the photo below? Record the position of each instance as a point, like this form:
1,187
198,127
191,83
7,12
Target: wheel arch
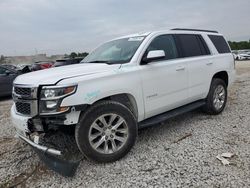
126,99
222,75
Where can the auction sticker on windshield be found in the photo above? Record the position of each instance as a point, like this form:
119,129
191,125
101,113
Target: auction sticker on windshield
136,39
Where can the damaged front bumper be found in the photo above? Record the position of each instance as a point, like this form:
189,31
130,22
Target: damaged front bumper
50,157
40,147
21,125
53,158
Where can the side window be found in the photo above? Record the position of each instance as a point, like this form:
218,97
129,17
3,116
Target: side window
203,45
191,45
220,44
2,70
165,43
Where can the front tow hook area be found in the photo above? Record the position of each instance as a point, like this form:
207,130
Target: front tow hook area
54,159
40,147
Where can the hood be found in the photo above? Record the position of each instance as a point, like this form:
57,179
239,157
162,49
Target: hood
53,75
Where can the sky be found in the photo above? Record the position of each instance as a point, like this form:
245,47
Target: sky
28,27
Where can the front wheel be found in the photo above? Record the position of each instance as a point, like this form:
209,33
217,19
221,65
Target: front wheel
106,132
217,97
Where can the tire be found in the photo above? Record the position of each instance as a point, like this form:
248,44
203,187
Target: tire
96,121
212,107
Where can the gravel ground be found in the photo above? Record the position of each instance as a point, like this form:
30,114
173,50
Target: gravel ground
179,153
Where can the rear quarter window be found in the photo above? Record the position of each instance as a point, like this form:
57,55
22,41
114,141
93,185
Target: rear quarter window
220,44
192,45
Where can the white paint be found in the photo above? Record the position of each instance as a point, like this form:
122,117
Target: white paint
156,87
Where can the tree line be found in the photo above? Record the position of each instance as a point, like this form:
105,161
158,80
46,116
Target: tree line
2,59
73,55
239,45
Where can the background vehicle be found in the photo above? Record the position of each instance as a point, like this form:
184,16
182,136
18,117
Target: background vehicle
40,65
7,77
243,55
125,84
63,62
9,66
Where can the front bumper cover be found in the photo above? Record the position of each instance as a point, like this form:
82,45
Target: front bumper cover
40,147
51,158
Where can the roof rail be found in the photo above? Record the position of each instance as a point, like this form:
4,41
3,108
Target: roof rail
185,29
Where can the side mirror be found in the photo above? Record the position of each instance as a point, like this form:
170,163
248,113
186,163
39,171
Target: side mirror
154,55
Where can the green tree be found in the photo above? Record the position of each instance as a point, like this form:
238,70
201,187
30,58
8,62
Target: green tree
73,55
84,54
239,45
2,59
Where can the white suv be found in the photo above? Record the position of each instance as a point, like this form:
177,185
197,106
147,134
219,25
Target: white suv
125,84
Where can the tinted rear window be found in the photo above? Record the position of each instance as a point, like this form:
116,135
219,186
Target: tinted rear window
220,44
192,45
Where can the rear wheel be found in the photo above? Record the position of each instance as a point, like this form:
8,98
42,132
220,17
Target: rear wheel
217,97
106,132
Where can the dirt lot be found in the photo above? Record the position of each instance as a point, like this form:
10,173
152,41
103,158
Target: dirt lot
180,153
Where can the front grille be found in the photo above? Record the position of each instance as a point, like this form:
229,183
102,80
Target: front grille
22,91
25,100
23,108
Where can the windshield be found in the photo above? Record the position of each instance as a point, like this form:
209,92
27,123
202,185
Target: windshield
117,51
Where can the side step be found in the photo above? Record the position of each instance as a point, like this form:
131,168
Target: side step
172,113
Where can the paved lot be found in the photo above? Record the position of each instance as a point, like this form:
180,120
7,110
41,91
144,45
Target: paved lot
179,153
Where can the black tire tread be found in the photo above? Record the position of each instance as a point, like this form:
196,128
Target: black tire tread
101,105
208,107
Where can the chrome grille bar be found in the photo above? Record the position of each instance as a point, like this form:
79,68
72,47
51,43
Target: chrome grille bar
25,98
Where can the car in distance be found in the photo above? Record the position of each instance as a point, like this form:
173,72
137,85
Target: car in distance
40,65
7,76
243,55
125,84
10,66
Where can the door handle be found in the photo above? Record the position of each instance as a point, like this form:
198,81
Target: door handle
180,68
209,63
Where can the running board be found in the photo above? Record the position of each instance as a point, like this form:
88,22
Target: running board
172,113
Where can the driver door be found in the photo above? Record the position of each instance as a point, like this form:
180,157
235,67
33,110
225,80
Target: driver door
165,81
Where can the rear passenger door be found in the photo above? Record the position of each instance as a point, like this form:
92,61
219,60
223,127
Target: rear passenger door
165,81
199,62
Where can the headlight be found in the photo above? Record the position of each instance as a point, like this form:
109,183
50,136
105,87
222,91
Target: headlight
51,98
48,93
56,92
